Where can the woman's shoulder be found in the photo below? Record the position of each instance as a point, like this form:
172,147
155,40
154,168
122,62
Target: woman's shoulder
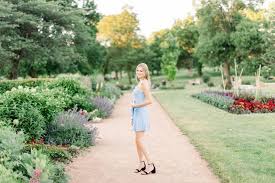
145,83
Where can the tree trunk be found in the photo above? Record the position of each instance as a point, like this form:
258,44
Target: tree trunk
199,69
116,75
120,73
33,73
226,71
190,73
14,69
129,77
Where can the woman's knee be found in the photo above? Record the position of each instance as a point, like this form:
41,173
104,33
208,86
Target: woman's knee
139,137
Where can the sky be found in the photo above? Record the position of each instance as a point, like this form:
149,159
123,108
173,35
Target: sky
153,15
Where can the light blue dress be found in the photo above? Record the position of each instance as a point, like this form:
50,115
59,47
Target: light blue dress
139,115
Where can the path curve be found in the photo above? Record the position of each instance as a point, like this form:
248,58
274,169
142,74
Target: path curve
114,157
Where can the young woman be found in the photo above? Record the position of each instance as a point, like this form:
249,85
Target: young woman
140,120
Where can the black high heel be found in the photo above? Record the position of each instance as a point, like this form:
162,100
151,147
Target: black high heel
152,171
143,168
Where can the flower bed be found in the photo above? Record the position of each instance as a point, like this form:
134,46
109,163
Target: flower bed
44,123
244,104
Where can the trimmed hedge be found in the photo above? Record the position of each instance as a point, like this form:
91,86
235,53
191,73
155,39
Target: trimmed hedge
216,99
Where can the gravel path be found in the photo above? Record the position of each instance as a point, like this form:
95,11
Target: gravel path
114,157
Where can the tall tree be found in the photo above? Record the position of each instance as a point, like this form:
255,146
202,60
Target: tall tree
119,33
187,35
171,51
41,37
154,42
218,19
119,30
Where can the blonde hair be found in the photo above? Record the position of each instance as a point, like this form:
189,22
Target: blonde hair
146,70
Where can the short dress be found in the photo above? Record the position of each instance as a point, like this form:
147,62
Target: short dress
139,115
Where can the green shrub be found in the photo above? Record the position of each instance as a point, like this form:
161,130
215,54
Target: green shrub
82,102
11,145
222,102
55,153
266,72
7,175
38,167
110,91
17,166
205,78
33,110
246,82
210,84
68,129
58,174
70,86
65,100
29,119
7,85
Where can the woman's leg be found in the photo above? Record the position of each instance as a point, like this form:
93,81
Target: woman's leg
140,147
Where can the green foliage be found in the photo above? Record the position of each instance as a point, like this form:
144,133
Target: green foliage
11,145
205,78
70,86
266,72
22,115
186,32
82,102
46,37
39,167
110,91
170,49
171,72
30,110
73,92
7,176
226,35
210,84
155,63
7,85
217,100
55,153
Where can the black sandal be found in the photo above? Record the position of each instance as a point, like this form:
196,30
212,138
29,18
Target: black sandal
138,170
152,171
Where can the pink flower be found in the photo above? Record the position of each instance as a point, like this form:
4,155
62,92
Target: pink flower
36,176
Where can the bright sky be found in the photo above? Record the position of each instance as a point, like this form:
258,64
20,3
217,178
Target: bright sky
153,15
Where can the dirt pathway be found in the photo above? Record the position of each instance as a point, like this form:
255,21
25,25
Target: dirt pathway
114,157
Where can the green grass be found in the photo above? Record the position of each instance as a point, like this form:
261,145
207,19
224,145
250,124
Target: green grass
239,148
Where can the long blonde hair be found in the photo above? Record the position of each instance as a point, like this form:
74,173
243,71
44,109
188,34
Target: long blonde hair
147,72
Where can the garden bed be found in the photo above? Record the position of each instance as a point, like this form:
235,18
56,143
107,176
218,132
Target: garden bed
44,123
243,104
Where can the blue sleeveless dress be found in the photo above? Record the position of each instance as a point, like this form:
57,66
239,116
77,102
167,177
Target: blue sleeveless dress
139,115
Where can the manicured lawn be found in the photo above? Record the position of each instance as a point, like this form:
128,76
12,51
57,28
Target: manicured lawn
239,148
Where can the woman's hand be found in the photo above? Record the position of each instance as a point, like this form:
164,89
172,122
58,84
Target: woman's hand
133,105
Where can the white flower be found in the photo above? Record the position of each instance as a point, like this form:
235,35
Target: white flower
20,87
33,90
15,121
96,119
